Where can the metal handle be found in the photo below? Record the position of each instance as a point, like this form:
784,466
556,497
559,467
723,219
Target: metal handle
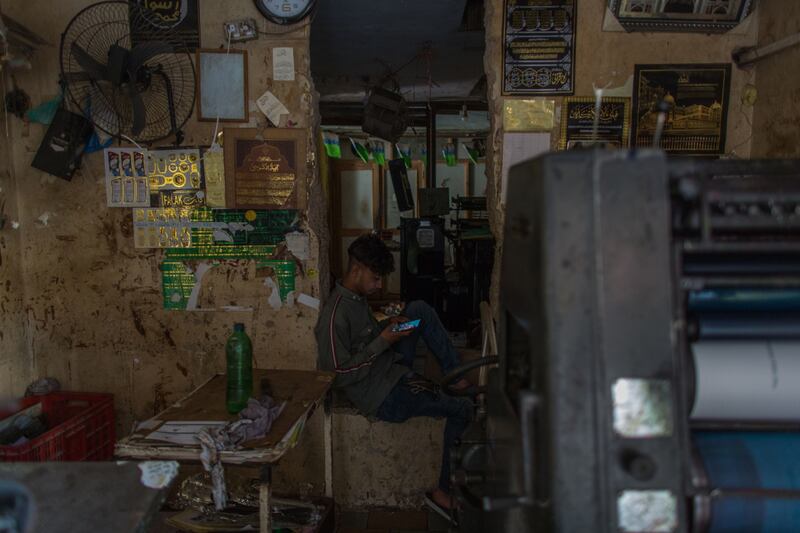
528,408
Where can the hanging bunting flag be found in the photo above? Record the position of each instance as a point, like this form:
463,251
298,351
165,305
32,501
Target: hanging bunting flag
95,144
405,152
332,146
44,113
359,150
449,154
472,153
378,152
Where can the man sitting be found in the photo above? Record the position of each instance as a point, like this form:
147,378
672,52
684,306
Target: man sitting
373,362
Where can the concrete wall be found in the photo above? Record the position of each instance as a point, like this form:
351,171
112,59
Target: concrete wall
92,302
776,125
605,57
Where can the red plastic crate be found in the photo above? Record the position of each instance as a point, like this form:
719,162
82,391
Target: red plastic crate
81,429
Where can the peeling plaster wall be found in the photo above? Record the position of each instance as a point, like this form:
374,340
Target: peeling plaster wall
608,58
776,124
93,302
15,367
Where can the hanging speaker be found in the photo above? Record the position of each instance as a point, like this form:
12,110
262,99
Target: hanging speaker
402,188
60,152
385,115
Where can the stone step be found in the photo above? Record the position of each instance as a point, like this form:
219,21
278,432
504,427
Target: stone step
381,464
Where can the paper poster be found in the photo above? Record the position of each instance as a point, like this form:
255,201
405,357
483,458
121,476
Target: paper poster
127,184
518,147
184,270
528,115
297,243
163,227
214,170
174,169
271,107
184,227
283,64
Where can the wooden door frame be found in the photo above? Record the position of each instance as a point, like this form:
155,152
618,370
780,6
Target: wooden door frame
337,232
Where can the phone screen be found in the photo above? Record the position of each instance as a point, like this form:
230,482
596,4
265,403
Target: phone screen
407,325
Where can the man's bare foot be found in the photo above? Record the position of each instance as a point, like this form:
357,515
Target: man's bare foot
461,384
442,499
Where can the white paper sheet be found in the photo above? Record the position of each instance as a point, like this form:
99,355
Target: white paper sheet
747,381
273,108
308,301
182,432
518,147
283,64
297,243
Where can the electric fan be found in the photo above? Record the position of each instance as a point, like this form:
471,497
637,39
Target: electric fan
127,86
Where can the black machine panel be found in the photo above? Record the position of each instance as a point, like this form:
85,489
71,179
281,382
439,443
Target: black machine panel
574,270
649,349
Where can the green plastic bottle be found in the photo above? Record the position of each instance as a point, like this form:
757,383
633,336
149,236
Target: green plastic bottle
239,352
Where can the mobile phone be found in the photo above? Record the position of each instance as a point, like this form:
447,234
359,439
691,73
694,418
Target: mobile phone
405,326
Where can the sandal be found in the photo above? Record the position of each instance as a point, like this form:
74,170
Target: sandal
438,509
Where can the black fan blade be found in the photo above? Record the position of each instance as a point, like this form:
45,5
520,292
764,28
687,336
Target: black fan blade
142,52
95,69
139,111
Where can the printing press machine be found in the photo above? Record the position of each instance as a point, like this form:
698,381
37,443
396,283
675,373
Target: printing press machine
649,350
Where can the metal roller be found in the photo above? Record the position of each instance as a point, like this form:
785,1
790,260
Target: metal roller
746,381
747,482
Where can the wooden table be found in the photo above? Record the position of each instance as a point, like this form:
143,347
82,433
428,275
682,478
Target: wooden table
302,390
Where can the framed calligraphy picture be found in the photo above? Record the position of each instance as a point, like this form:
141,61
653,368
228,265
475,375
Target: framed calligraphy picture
539,47
583,126
265,169
177,18
680,15
696,98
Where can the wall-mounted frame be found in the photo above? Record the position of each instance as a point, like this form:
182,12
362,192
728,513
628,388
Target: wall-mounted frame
578,123
181,18
704,16
222,85
539,47
698,99
265,169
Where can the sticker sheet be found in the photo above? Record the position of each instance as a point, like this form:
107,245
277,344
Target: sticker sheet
174,169
127,184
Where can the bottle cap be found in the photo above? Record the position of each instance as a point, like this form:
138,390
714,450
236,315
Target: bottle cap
238,327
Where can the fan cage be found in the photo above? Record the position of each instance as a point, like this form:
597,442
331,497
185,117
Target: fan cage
95,29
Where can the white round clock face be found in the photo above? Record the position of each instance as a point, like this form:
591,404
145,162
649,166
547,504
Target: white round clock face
286,8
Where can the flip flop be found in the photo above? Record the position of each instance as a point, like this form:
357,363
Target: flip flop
438,509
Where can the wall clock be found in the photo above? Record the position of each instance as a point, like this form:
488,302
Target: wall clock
285,11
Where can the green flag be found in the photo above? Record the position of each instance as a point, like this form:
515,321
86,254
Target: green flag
449,154
405,152
472,153
332,146
378,152
359,150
